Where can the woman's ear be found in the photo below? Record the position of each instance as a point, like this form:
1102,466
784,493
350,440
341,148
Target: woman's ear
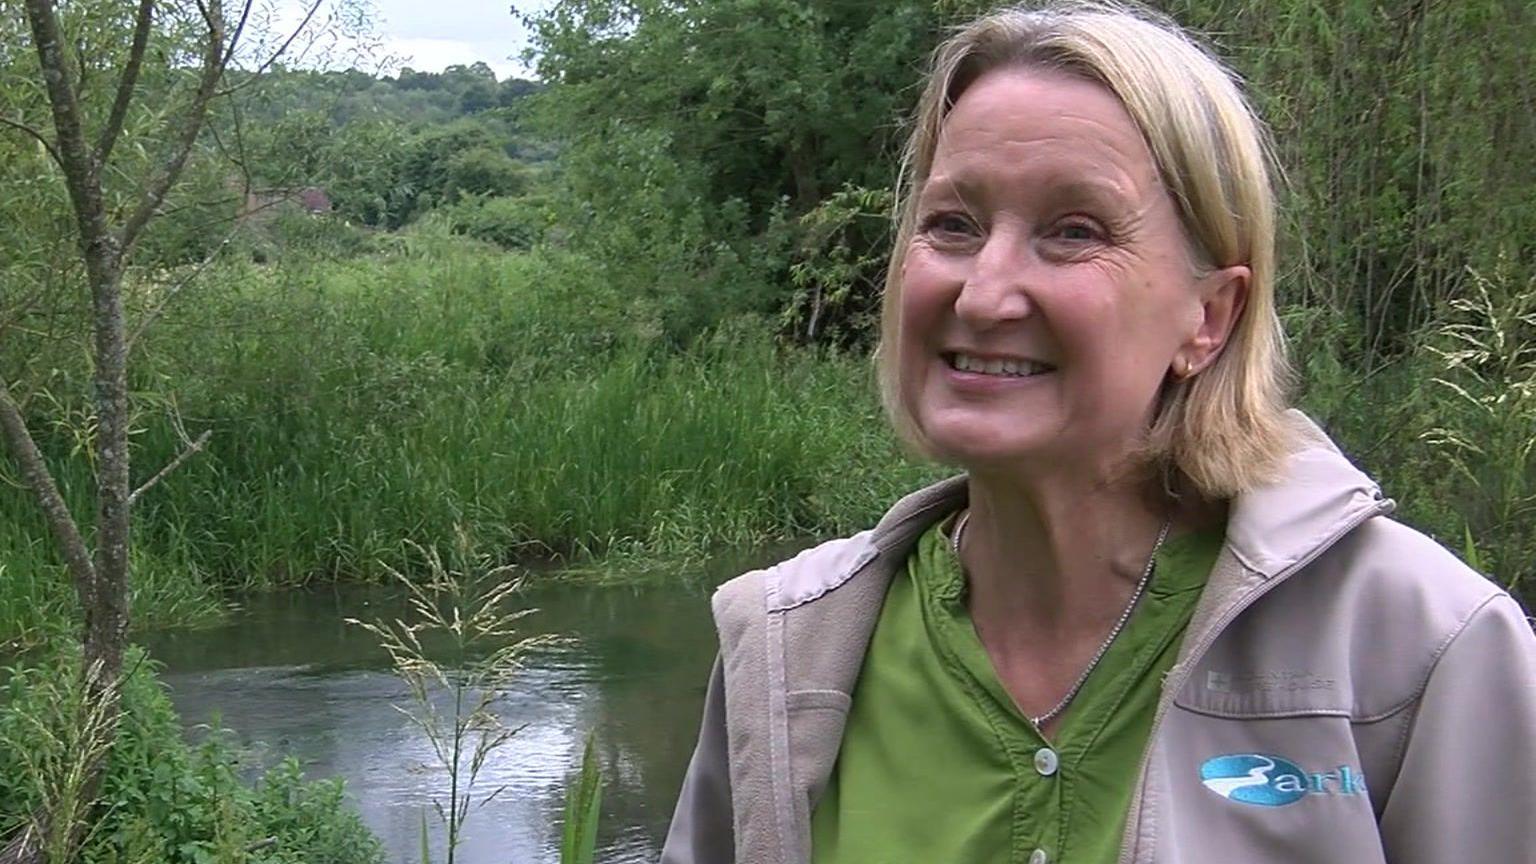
1222,295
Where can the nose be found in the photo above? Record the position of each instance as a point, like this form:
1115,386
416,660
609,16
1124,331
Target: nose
995,288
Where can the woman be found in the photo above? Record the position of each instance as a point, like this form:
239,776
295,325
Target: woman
1160,618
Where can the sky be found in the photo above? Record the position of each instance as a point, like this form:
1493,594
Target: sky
439,34
430,35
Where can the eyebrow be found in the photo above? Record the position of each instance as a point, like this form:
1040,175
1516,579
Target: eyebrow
1078,190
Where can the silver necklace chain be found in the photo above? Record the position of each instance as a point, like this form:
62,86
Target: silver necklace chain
1125,615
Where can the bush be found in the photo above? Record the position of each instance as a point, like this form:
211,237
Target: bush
511,223
484,171
161,800
291,234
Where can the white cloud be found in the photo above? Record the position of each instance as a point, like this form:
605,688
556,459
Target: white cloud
431,36
435,55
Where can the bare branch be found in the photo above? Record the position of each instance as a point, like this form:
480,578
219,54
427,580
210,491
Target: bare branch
234,40
172,466
170,294
55,511
41,139
160,184
238,158
281,50
125,85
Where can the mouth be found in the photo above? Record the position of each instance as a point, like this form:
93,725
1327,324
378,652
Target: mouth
1001,367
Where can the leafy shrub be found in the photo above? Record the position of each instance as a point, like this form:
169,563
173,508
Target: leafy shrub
317,236
484,171
162,801
839,274
511,223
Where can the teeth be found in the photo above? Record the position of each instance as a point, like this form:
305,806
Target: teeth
1013,368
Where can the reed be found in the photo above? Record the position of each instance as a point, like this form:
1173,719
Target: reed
438,387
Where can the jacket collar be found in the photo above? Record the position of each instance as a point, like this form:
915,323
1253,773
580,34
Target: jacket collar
817,571
1276,527
1269,529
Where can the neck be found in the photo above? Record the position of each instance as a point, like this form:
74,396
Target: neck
1056,556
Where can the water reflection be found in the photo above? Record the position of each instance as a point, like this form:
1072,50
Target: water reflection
286,676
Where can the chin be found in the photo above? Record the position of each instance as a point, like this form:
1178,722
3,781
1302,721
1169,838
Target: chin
973,445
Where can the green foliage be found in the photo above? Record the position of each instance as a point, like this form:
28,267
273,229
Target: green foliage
161,802
704,167
289,233
779,97
197,226
440,383
584,802
1486,346
511,223
840,271
385,157
483,171
54,746
1469,551
1404,129
362,172
412,98
1448,428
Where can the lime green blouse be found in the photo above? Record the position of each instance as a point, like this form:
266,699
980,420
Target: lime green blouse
939,765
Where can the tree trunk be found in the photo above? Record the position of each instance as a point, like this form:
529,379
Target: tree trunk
101,575
106,616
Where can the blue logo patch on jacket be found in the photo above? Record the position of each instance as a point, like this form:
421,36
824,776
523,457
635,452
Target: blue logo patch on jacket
1271,781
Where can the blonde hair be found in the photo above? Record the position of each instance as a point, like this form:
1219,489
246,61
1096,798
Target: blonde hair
1224,430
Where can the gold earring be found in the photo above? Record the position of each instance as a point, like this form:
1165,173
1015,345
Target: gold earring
1185,367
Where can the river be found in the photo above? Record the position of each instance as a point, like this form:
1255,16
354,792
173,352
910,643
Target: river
285,675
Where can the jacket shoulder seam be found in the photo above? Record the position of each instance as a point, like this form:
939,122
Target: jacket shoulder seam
1434,662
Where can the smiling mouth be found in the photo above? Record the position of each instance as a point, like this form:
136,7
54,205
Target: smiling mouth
1010,368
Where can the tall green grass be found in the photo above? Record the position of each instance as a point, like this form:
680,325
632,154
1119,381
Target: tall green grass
1448,429
443,387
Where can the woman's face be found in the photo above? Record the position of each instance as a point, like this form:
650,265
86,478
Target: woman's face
1048,292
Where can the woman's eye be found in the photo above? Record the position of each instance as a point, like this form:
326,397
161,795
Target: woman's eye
949,225
1077,231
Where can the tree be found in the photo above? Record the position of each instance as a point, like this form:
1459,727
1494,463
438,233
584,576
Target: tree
484,171
702,135
773,99
178,51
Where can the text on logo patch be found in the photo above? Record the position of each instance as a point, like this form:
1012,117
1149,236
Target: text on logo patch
1272,781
